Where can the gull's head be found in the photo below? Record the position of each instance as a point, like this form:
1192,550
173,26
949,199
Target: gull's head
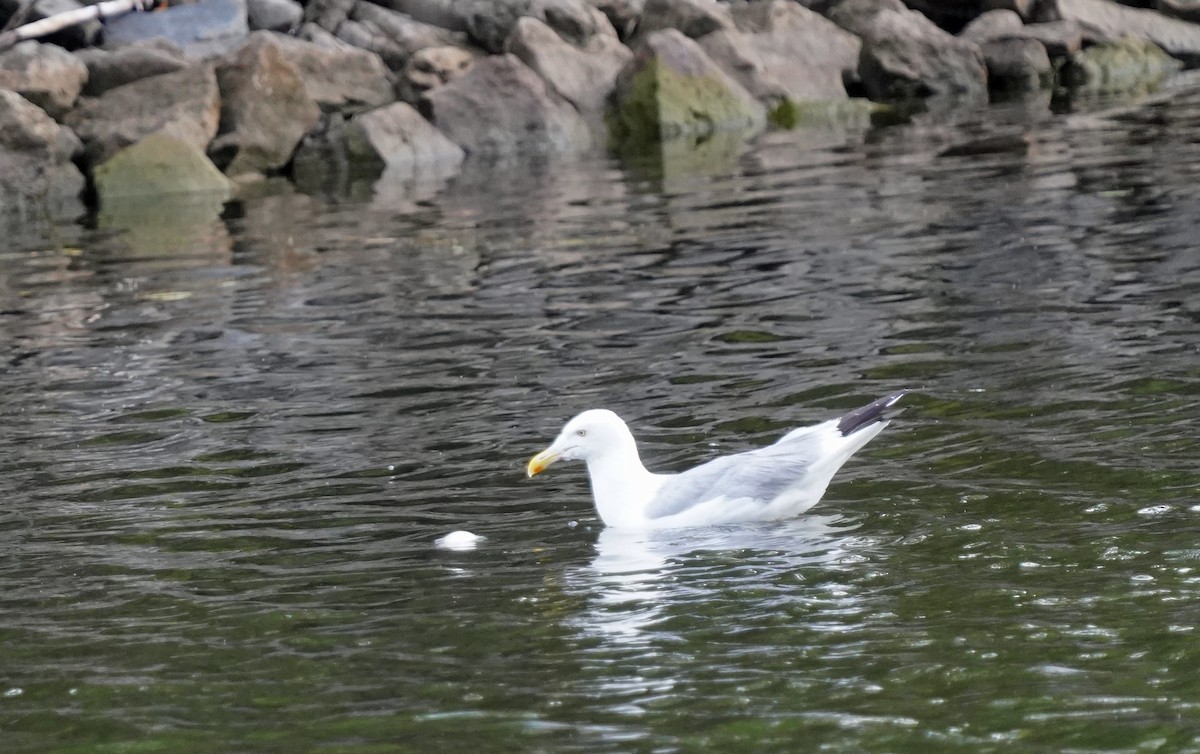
589,435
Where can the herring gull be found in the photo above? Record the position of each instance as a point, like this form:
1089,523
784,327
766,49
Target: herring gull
778,481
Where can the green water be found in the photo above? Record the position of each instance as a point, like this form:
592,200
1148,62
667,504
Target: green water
229,446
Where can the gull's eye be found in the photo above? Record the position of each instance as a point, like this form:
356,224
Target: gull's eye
581,432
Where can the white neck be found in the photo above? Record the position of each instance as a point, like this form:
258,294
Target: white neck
621,486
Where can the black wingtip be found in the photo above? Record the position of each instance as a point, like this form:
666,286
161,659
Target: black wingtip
868,414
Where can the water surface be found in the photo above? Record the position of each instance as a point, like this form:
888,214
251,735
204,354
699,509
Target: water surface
231,440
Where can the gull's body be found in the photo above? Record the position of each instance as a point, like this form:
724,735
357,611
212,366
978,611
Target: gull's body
781,480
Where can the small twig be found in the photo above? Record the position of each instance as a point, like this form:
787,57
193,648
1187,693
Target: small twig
60,21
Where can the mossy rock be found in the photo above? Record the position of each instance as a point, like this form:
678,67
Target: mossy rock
159,165
1126,65
672,90
855,113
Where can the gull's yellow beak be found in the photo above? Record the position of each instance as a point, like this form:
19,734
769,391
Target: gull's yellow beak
538,463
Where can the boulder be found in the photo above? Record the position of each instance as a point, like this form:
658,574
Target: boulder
108,69
501,107
203,29
185,105
313,34
783,51
45,74
444,14
265,109
622,14
328,14
1178,38
1023,8
392,141
490,22
672,89
1017,64
1127,65
855,16
430,68
274,15
1060,38
393,36
583,76
1188,10
159,165
338,76
397,137
905,56
35,156
577,21
993,24
694,18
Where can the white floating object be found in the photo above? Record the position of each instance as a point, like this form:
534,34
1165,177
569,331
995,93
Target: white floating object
458,540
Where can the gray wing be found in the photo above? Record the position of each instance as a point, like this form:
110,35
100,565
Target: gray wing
760,475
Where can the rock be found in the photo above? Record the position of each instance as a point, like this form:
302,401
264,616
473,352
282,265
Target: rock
622,14
905,56
1060,38
274,15
490,22
500,107
693,18
108,69
35,157
1016,64
577,21
1128,65
445,14
203,29
584,77
391,144
672,89
45,74
159,165
328,14
338,76
783,51
1179,38
396,136
1187,10
320,163
313,34
1023,8
430,68
265,109
855,16
791,29
993,24
185,105
393,36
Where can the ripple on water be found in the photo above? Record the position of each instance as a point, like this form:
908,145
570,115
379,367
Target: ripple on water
229,452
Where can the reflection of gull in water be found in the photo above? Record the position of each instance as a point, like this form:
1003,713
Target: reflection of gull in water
648,593
638,574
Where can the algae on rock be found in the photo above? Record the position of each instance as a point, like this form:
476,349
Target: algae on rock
159,165
671,89
1126,65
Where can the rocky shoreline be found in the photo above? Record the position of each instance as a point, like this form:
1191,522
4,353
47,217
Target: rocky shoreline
209,95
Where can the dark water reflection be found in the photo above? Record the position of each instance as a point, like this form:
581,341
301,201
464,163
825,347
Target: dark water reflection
229,446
